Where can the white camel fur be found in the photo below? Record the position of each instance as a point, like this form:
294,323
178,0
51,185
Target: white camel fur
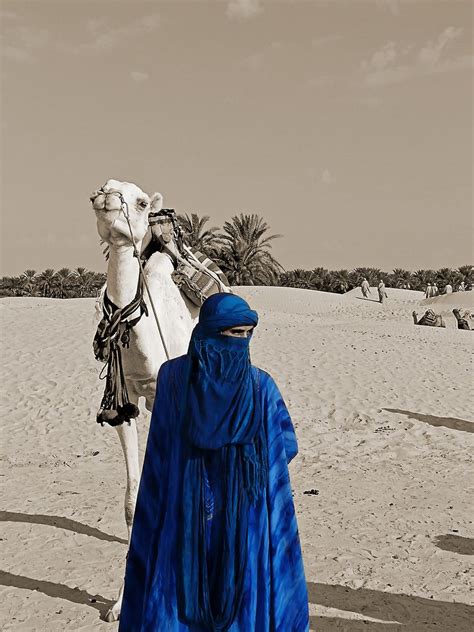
176,315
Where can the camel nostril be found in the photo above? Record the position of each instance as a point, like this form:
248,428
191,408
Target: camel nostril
98,202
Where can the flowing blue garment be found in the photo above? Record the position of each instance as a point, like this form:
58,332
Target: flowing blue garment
274,589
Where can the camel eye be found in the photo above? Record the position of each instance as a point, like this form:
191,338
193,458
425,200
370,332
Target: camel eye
143,204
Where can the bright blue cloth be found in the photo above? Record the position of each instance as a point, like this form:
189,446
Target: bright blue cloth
222,429
274,591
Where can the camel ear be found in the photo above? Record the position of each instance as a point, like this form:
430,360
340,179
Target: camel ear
156,202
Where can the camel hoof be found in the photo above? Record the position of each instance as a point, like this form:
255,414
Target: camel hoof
112,616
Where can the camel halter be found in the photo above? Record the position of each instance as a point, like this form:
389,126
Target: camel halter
125,211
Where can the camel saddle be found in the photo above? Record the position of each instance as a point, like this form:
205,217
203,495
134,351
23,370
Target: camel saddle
195,274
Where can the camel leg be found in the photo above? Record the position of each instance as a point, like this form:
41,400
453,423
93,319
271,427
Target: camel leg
129,441
415,318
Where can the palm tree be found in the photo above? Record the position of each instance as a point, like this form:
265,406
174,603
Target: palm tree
373,275
80,281
46,282
339,281
299,278
421,278
100,278
12,286
467,273
89,284
243,264
6,286
320,279
105,248
244,255
195,235
29,281
401,278
62,276
445,276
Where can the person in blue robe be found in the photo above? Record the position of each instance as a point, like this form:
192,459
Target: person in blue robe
214,544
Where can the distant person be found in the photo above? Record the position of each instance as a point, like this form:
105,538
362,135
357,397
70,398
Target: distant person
382,291
428,292
365,287
448,289
435,290
462,287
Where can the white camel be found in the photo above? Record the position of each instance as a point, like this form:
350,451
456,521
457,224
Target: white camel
176,315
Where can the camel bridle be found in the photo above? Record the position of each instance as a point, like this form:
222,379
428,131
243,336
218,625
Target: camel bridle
125,210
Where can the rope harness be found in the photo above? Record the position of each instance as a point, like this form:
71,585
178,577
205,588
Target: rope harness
113,330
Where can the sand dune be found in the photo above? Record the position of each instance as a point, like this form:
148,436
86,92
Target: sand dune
383,414
460,300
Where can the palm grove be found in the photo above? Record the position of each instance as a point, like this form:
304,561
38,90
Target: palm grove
242,249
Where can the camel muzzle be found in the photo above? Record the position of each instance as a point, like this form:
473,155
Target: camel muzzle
107,201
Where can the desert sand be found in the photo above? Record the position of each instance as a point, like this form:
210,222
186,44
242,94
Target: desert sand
383,412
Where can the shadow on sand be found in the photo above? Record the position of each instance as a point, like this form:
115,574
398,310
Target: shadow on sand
398,612
60,591
455,544
60,523
447,422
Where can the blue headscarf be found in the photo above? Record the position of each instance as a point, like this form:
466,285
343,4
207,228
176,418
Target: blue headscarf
221,423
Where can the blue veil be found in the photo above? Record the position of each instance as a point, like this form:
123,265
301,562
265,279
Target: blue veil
221,424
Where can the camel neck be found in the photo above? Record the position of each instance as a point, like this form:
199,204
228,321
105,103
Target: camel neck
122,275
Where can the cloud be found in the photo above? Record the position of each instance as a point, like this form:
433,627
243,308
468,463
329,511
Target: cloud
243,9
106,37
431,52
382,58
327,177
22,42
138,76
394,63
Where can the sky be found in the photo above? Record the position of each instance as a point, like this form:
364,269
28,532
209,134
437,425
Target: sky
346,125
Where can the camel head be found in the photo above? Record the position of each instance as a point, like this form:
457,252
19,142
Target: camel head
113,202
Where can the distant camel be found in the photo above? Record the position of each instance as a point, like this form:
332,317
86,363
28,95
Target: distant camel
461,320
429,319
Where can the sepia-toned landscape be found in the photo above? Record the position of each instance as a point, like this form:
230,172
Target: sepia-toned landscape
383,415
317,155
